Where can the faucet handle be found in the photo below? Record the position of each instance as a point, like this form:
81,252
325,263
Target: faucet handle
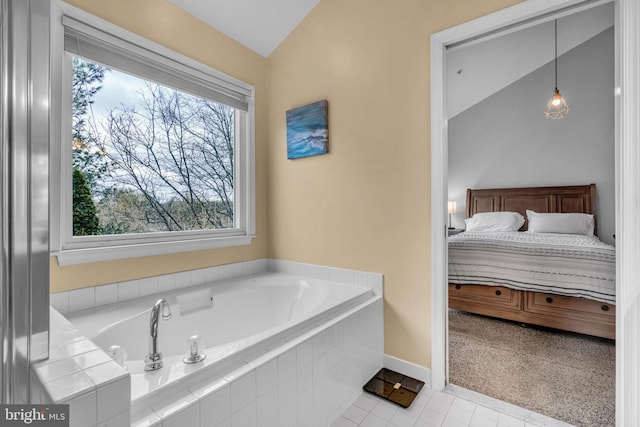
118,354
195,353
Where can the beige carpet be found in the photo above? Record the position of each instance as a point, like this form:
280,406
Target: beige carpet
570,377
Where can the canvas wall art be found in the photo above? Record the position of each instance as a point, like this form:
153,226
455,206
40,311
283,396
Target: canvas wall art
307,130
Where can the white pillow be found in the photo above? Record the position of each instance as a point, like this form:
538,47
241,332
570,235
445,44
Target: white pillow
494,221
566,223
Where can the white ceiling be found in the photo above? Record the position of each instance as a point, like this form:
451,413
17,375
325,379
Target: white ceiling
261,25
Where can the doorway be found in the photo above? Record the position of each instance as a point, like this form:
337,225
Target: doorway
626,182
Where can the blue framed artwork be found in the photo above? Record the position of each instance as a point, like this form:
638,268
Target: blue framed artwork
307,130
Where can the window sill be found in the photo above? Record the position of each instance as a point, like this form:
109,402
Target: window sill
110,253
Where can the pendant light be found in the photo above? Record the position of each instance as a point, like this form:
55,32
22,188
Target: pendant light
557,107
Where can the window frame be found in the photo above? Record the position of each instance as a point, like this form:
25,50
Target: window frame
71,249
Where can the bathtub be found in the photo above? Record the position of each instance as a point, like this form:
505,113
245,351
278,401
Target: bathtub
237,320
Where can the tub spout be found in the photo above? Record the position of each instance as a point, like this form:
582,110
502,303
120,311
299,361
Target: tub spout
153,361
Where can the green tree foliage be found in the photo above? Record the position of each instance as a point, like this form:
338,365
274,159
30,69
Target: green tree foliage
86,83
85,220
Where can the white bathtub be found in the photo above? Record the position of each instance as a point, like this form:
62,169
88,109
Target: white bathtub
236,319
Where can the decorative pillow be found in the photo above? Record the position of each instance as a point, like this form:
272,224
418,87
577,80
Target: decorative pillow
566,223
494,221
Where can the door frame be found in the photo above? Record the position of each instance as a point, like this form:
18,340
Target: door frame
627,184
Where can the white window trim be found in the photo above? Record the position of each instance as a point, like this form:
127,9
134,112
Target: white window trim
75,250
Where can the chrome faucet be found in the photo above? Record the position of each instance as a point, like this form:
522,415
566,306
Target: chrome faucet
153,361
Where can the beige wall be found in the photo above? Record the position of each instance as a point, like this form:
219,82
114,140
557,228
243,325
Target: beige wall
366,204
160,21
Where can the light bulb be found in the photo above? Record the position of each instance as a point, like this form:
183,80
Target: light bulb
556,101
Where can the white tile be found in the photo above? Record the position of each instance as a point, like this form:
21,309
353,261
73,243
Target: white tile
183,279
271,422
189,416
267,406
431,417
211,274
508,421
355,414
372,421
198,276
422,423
320,344
82,411
449,422
128,290
216,407
347,276
114,398
304,378
478,421
334,274
401,419
243,391
246,417
287,416
287,392
304,353
182,402
79,347
384,410
148,286
166,283
121,420
81,298
266,376
319,369
463,405
343,422
60,301
149,420
106,294
304,408
68,386
365,402
460,415
440,402
106,372
58,369
91,358
286,364
483,412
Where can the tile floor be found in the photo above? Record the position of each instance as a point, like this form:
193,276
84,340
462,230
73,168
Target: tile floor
439,409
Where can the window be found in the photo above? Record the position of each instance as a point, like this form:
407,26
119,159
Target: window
156,150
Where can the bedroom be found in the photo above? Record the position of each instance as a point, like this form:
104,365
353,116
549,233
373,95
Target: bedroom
499,136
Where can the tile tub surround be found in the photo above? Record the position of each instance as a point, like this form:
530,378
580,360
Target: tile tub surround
345,352
80,374
79,299
308,381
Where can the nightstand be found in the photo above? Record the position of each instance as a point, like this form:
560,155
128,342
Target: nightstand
452,231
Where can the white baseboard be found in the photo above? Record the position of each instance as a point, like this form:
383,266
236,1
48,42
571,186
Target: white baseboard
407,368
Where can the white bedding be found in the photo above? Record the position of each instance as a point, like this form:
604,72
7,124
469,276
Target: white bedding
565,264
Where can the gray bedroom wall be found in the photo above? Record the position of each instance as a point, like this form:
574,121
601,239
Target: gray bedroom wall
506,140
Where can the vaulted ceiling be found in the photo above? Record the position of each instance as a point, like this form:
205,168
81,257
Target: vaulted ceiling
261,25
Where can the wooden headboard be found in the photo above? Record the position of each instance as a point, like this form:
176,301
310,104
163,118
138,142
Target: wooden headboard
566,199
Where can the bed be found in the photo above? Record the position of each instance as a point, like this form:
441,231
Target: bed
556,280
